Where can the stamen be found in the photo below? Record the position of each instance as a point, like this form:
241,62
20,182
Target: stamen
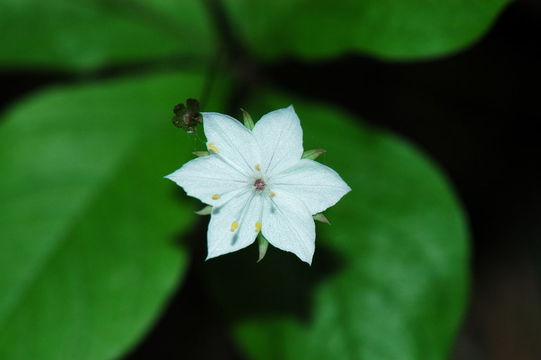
272,194
215,197
212,147
258,226
258,167
234,226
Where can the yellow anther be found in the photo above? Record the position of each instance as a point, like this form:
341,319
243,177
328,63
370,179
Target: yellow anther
215,197
212,147
272,194
257,226
257,167
234,226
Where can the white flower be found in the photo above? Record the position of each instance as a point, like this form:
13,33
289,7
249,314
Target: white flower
256,181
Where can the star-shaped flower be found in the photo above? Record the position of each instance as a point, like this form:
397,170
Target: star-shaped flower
256,181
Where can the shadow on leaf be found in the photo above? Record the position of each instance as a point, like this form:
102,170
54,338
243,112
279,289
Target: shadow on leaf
280,284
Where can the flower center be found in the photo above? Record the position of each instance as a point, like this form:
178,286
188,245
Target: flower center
259,184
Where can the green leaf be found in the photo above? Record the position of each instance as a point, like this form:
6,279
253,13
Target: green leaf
89,34
88,224
396,30
389,276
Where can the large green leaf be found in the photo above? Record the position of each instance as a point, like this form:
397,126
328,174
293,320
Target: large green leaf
87,34
389,276
399,29
87,223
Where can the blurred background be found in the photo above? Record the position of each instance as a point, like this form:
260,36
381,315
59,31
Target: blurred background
474,111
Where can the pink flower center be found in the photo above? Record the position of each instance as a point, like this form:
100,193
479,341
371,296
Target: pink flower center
259,184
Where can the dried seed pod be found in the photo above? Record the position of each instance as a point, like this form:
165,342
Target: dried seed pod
187,116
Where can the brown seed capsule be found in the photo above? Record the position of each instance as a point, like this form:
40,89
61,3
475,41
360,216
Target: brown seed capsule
187,117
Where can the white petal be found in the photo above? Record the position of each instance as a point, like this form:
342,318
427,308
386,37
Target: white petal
208,176
317,185
245,210
288,225
279,135
232,141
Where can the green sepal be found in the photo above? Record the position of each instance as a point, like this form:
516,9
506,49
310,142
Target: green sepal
201,153
207,210
321,218
247,119
313,154
263,245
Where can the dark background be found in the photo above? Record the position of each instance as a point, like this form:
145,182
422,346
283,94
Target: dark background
475,113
